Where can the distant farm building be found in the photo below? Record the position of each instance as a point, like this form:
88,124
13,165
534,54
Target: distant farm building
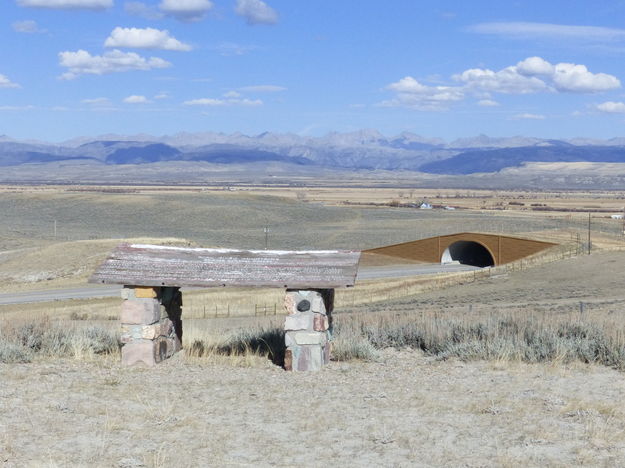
468,248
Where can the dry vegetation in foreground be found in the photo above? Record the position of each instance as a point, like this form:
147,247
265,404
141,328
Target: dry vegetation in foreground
518,378
533,337
404,409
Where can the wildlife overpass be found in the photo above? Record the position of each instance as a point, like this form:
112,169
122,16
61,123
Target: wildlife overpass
468,248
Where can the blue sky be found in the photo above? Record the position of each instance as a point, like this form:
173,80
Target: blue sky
437,68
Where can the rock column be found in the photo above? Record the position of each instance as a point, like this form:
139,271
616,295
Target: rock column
308,327
148,333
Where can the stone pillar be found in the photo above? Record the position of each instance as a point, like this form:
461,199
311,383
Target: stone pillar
148,334
308,327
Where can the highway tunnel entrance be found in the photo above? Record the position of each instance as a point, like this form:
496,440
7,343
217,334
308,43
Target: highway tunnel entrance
468,253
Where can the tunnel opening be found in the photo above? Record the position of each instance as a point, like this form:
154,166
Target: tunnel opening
468,253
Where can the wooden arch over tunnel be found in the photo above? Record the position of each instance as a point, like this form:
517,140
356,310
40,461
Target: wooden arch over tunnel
468,247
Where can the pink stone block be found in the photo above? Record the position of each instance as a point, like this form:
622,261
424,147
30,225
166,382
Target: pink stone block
140,351
290,304
321,323
140,312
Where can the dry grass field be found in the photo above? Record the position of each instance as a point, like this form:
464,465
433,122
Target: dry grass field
520,367
405,409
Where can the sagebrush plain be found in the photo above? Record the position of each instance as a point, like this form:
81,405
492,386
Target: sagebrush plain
521,367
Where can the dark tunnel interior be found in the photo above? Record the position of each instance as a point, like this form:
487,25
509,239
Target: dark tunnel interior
468,253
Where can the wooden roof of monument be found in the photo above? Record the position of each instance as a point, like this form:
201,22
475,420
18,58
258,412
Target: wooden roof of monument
153,265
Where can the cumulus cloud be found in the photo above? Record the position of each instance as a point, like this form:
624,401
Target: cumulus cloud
577,79
528,116
67,4
506,81
136,99
529,76
256,12
146,38
6,83
526,30
612,107
82,62
262,89
27,27
534,66
210,102
535,74
411,93
186,10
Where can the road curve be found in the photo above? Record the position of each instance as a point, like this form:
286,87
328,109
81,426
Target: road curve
93,291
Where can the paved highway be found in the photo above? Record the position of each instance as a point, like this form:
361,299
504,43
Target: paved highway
93,291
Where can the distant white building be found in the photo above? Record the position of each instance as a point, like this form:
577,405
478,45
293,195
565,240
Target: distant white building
617,216
425,206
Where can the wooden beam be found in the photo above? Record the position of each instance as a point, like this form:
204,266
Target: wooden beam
152,265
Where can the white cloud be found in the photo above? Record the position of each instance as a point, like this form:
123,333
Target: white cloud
27,27
142,10
411,93
186,10
161,95
262,89
528,116
612,107
529,76
82,62
100,101
224,102
67,4
577,79
6,83
256,12
534,75
136,99
146,38
506,81
534,66
521,30
487,103
232,94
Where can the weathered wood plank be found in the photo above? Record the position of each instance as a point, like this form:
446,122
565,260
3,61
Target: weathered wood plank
151,265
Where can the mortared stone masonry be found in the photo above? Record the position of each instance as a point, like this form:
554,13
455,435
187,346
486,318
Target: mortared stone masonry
151,329
308,329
